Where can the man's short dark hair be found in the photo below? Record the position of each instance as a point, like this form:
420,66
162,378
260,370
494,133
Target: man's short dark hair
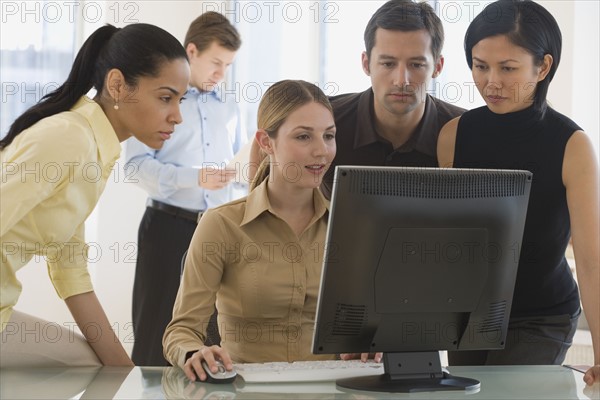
406,16
210,27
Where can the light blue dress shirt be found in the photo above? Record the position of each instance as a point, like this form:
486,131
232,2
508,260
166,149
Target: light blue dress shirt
209,136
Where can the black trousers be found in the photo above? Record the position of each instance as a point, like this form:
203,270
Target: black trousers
542,340
162,241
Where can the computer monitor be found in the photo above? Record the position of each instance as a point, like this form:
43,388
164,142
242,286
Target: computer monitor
419,260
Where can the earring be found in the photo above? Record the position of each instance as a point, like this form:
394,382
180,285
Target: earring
116,106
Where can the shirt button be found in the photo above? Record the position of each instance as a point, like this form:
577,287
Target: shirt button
389,158
300,288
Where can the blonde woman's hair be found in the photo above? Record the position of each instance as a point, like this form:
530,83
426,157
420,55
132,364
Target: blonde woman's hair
278,102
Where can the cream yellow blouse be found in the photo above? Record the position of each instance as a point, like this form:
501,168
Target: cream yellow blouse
51,177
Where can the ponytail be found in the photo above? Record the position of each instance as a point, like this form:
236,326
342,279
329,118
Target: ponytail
78,83
261,174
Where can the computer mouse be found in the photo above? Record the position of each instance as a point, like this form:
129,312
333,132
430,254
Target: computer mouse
221,376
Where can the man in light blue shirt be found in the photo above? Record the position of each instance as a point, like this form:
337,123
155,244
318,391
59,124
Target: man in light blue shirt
183,179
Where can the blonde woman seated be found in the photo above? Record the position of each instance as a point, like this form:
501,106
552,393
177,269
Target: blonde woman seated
259,259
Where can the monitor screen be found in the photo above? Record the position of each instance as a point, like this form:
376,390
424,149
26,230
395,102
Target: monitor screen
419,260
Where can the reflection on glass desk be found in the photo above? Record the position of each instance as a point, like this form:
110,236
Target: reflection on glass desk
501,382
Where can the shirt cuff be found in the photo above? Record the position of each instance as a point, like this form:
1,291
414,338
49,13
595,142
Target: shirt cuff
187,177
71,282
185,351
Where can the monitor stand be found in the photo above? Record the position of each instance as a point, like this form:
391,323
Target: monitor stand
410,372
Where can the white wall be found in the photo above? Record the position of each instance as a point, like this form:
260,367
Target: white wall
112,229
585,82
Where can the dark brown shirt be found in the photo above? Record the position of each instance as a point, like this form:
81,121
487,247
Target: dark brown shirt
359,144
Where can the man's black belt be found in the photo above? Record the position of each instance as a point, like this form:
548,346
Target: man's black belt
177,212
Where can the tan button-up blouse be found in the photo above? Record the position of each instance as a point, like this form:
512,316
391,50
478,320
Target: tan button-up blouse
264,279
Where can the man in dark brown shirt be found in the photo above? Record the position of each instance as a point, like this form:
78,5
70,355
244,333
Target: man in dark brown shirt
394,122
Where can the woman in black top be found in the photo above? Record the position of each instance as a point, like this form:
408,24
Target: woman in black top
513,49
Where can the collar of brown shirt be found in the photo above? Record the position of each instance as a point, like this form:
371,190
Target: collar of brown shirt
258,202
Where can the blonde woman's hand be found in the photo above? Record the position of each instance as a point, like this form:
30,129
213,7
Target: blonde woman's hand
193,366
362,356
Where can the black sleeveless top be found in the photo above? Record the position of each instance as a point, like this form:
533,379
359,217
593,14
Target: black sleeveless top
526,140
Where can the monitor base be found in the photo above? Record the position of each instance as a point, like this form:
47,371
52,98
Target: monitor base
383,383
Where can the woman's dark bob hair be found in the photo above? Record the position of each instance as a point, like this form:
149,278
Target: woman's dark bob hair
526,24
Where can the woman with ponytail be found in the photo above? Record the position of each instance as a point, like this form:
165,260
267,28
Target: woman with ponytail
259,259
139,74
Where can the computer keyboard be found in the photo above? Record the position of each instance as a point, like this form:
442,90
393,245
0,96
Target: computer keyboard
306,371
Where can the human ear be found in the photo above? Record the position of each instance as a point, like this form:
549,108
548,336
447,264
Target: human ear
114,84
544,69
439,65
191,50
264,141
365,63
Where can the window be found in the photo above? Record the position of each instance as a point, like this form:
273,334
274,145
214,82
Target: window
280,40
37,46
342,66
321,41
343,42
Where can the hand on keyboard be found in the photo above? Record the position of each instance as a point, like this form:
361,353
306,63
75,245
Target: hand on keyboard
362,356
306,371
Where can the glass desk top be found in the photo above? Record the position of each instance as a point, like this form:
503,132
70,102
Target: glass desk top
497,382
